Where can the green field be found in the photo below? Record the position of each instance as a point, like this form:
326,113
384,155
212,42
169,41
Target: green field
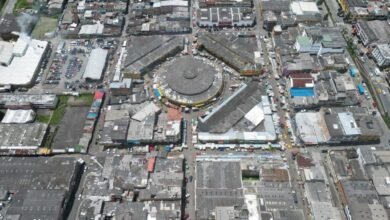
44,25
59,111
44,118
84,99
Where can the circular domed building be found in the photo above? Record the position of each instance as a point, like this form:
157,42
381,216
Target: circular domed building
190,81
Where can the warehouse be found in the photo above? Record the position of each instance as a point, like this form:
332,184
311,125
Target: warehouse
20,61
18,101
96,64
27,137
18,116
244,117
41,187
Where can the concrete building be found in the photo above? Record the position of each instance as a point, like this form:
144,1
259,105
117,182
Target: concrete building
27,101
225,17
26,138
304,7
337,125
381,54
334,62
56,7
225,3
380,176
115,127
330,89
122,88
320,201
306,12
342,127
276,6
270,20
41,187
373,32
214,194
360,191
135,186
151,126
364,211
321,40
311,128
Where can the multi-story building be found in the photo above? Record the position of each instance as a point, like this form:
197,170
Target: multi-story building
381,54
320,40
373,32
226,17
225,3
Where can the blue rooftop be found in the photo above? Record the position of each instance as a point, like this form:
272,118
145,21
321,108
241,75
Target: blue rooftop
302,92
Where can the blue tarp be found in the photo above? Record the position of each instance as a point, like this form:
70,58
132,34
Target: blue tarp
361,89
156,93
352,71
302,92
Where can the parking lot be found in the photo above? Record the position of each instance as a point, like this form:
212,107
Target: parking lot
68,64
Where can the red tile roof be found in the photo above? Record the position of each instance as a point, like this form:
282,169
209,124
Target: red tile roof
151,162
299,80
304,161
173,114
98,94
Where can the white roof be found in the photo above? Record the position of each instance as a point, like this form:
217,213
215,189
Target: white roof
21,46
18,116
311,127
304,8
147,110
22,69
92,29
349,124
6,52
96,63
88,13
251,202
255,115
262,136
145,27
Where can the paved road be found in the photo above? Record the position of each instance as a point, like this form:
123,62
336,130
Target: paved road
273,70
190,155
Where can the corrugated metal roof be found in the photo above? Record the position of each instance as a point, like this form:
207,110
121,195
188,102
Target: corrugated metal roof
149,109
95,65
255,115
